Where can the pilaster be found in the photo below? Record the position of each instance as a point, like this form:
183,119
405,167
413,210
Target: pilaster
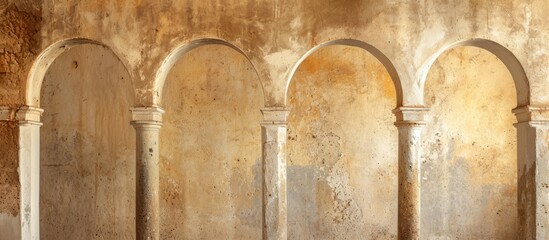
273,132
147,122
533,171
410,123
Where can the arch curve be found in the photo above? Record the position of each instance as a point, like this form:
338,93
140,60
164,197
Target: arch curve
45,60
353,43
514,66
182,49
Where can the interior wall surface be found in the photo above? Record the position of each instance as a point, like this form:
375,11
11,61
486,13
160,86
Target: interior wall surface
342,148
87,175
469,187
210,147
342,182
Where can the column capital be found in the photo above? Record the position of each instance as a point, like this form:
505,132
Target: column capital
6,113
410,116
25,115
29,115
147,116
532,114
275,115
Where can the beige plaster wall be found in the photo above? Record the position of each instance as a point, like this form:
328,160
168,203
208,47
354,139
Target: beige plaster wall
210,148
342,148
87,175
470,153
466,180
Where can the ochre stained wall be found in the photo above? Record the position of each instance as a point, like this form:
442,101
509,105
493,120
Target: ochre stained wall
470,156
87,175
342,148
210,147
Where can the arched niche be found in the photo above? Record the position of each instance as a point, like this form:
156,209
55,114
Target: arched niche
342,145
522,87
210,145
382,58
469,172
44,61
87,145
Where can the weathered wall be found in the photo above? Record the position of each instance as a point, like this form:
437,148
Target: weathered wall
9,180
87,175
275,34
470,167
210,147
342,148
461,175
19,25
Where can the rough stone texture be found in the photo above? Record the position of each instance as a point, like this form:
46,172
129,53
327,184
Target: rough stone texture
87,176
18,48
342,148
9,180
210,148
470,167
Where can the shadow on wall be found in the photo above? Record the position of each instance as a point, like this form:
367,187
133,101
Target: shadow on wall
87,177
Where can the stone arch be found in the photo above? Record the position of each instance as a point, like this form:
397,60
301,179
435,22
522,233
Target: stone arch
439,158
30,122
505,55
342,85
385,61
47,57
178,52
209,92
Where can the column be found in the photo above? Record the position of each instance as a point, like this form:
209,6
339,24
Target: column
29,170
147,122
533,171
410,123
273,133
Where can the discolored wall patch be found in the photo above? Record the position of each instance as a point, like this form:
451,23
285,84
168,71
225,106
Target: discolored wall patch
87,175
342,148
470,151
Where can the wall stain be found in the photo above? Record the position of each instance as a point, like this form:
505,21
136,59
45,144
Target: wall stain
341,134
470,153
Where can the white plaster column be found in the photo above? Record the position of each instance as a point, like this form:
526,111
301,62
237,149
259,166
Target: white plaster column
273,133
533,171
29,170
147,122
410,123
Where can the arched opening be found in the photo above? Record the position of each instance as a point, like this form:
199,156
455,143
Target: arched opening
87,145
210,145
469,172
342,145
